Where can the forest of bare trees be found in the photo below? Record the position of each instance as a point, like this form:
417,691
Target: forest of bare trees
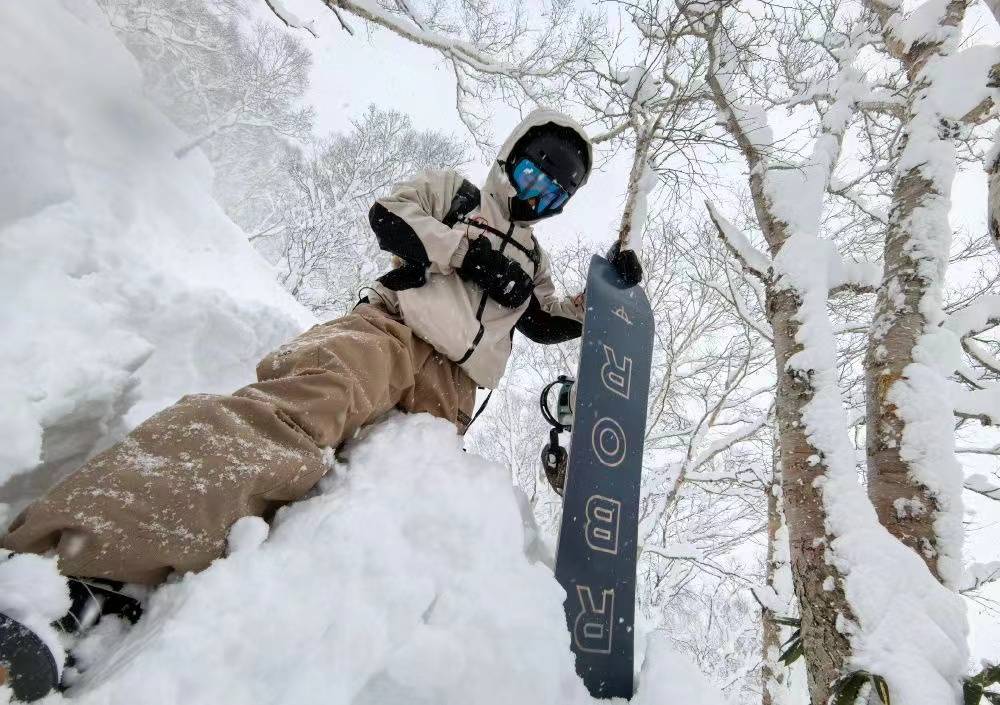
825,397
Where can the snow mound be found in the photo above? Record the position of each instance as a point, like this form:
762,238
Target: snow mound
123,284
33,593
404,581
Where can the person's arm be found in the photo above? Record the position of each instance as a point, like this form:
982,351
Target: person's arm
553,319
550,318
408,224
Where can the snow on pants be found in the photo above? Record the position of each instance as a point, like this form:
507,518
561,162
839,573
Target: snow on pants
165,497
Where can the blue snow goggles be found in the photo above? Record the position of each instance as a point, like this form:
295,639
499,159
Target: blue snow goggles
533,183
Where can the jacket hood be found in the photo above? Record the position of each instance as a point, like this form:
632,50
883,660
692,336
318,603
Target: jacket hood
499,186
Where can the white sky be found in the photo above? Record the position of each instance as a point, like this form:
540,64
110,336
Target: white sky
352,72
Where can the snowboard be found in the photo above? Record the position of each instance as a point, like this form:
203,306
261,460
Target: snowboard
26,664
597,547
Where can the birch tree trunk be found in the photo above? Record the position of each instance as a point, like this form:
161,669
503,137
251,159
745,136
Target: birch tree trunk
817,582
910,500
826,648
993,166
993,195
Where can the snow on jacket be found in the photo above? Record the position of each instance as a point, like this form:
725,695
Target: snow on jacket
453,315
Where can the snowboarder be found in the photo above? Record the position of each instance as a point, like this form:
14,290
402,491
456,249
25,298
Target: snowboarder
467,272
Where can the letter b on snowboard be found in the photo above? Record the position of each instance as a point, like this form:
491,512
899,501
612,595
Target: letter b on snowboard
601,524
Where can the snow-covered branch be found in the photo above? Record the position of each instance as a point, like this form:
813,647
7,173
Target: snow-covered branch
712,449
856,277
860,202
979,316
677,552
752,259
979,574
733,297
982,405
290,19
460,51
981,484
492,49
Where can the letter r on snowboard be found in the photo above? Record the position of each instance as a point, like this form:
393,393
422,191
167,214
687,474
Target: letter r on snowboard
592,630
617,376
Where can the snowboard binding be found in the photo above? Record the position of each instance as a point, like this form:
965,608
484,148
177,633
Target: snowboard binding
93,598
555,458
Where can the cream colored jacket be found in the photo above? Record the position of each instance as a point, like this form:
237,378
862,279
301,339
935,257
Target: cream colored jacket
456,316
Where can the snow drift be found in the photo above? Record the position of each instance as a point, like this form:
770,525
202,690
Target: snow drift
410,577
123,285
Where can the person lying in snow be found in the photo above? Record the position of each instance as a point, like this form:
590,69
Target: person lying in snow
468,273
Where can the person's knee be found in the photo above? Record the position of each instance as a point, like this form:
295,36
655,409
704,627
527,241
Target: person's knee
291,358
325,347
353,355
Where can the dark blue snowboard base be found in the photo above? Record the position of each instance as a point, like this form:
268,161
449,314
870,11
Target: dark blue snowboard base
596,557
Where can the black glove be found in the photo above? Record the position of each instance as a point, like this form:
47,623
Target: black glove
627,263
499,276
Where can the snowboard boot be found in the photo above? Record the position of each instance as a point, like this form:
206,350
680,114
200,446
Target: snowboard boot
26,664
92,599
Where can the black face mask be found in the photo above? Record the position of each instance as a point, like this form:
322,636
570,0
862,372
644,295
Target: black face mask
560,152
524,212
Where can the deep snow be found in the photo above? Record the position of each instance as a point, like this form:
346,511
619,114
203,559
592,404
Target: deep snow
123,284
411,577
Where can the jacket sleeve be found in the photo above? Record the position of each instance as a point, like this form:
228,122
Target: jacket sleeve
550,318
408,224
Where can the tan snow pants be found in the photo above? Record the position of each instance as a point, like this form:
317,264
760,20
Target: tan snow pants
165,497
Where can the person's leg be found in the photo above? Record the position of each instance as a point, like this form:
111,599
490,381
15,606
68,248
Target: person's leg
440,387
164,498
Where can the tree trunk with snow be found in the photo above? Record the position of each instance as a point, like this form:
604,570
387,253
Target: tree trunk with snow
826,648
807,395
993,194
816,581
908,493
905,506
993,166
640,183
842,559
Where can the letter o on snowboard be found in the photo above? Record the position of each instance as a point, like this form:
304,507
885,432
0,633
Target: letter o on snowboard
608,441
